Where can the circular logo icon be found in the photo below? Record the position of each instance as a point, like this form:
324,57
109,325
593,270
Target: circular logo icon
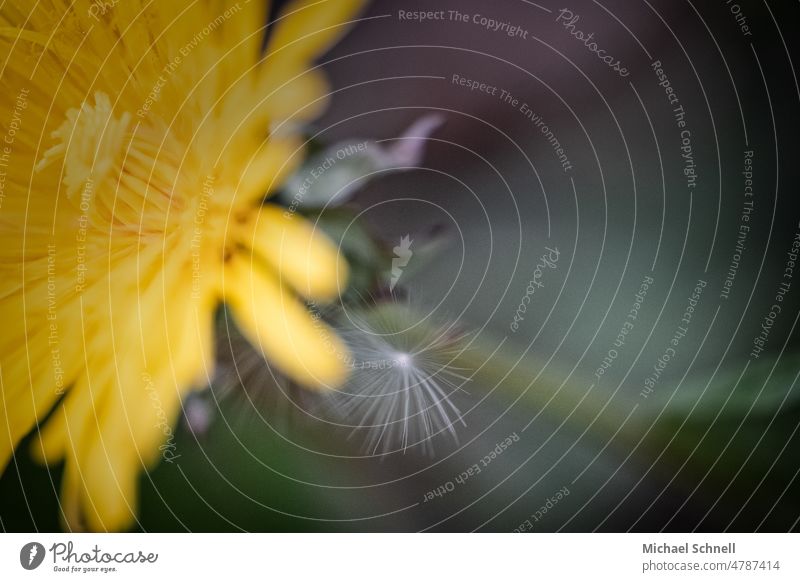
31,555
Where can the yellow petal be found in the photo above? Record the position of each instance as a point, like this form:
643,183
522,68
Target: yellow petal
276,160
307,28
49,448
28,391
70,497
274,321
19,416
302,255
130,434
299,99
82,410
111,479
73,419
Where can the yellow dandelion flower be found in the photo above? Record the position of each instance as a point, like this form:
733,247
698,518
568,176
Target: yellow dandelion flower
138,141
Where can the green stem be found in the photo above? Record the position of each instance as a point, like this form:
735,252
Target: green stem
522,377
544,388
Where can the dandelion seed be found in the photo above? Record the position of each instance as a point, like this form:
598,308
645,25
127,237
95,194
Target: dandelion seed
400,392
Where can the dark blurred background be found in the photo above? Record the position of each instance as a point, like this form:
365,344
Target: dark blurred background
712,448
